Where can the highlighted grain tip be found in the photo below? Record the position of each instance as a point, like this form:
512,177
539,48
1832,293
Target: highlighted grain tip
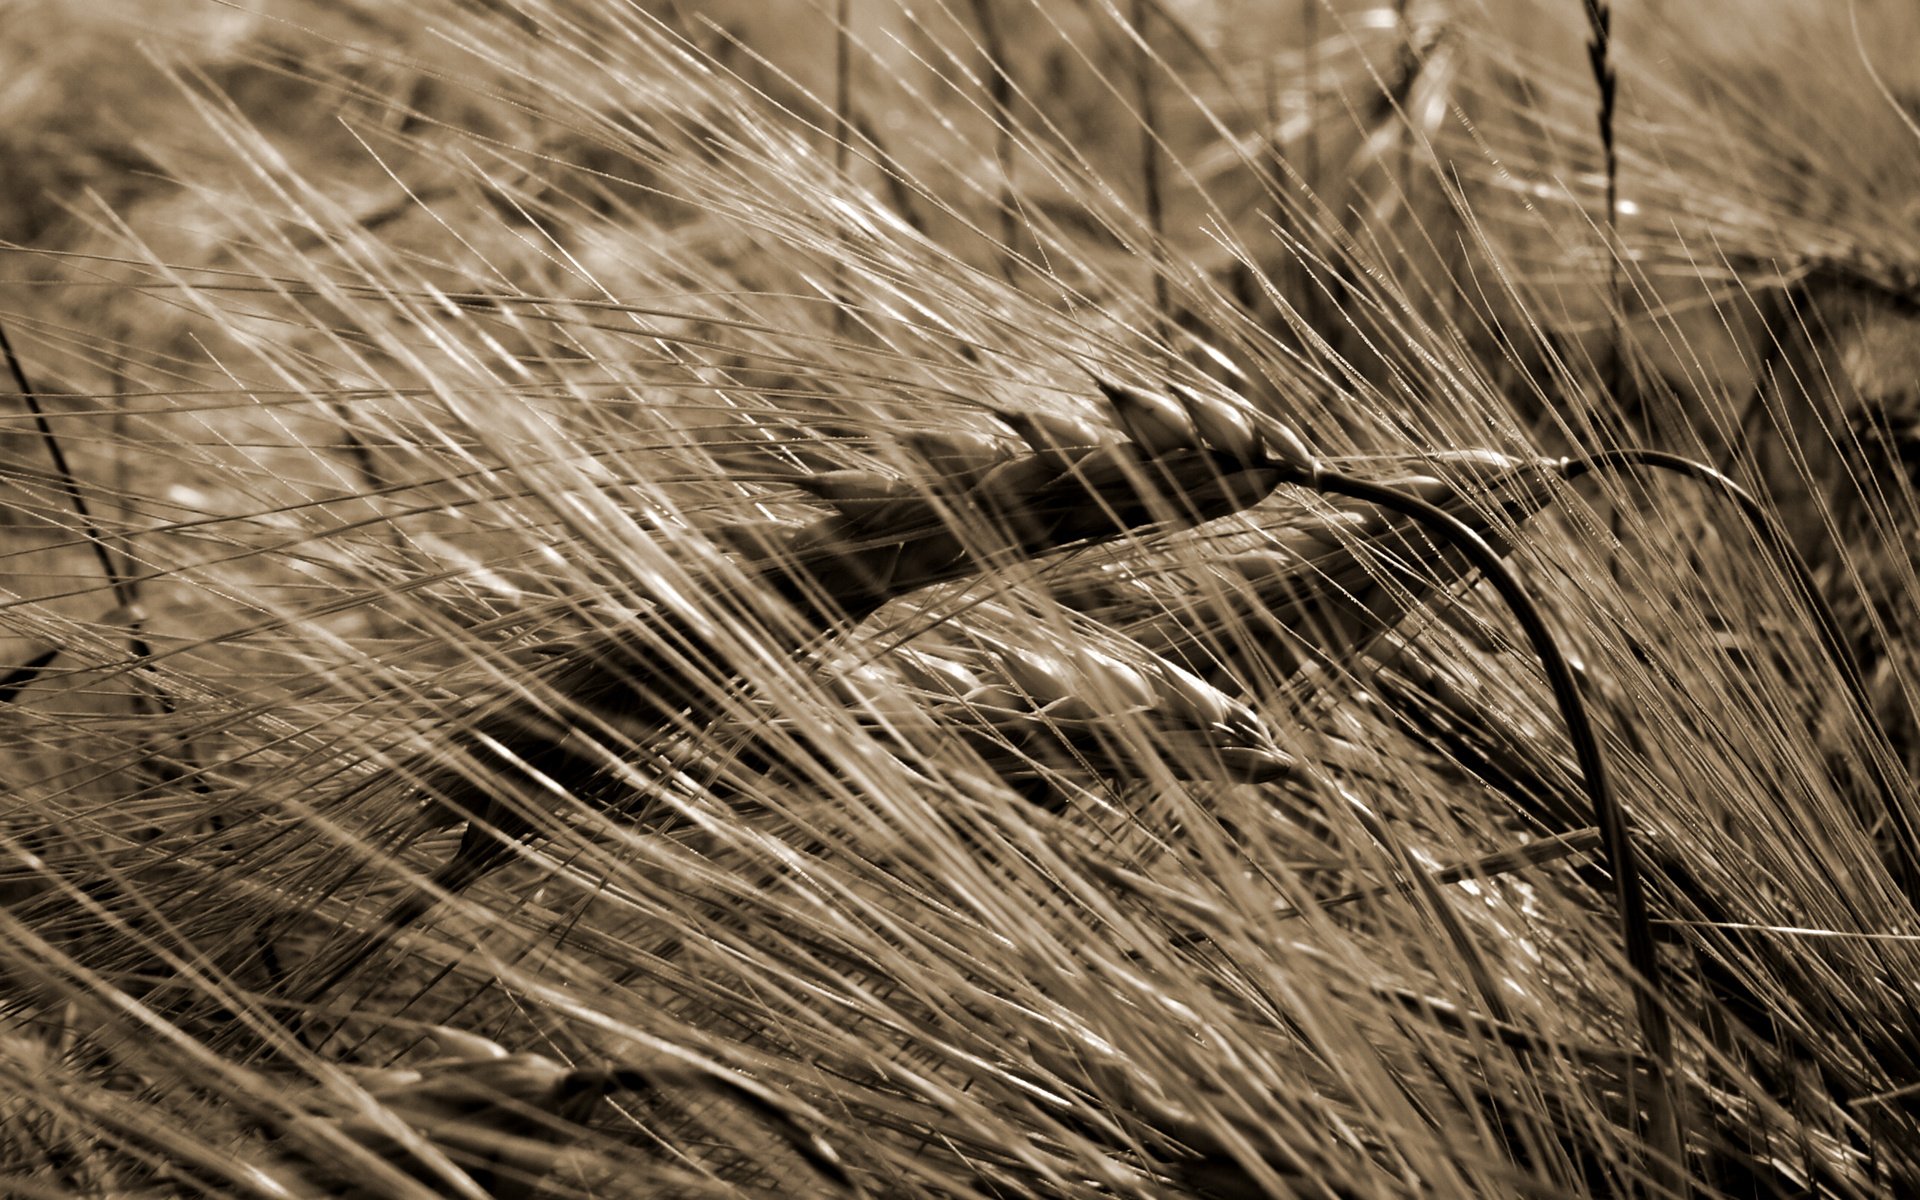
1222,424
851,487
1156,424
1054,437
956,451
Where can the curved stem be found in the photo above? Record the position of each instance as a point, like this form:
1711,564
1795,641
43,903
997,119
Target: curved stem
1615,833
1767,531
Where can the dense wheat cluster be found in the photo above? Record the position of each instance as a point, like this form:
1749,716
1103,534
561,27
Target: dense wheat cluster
1006,598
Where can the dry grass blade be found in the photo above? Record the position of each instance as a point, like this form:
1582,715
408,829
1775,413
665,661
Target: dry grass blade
478,1120
1186,1148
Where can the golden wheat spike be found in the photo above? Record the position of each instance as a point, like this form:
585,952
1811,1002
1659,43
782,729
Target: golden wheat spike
521,754
1113,709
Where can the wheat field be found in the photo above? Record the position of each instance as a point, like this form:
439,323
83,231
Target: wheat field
960,598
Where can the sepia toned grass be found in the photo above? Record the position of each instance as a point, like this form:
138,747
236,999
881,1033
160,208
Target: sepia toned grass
957,600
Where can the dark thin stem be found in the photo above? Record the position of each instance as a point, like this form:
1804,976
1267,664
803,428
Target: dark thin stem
1000,96
1151,202
125,594
842,135
1608,816
1310,39
1410,65
1774,319
1774,540
892,175
69,483
842,86
1600,59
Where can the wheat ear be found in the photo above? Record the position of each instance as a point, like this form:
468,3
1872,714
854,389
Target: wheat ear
1331,590
1026,708
663,670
